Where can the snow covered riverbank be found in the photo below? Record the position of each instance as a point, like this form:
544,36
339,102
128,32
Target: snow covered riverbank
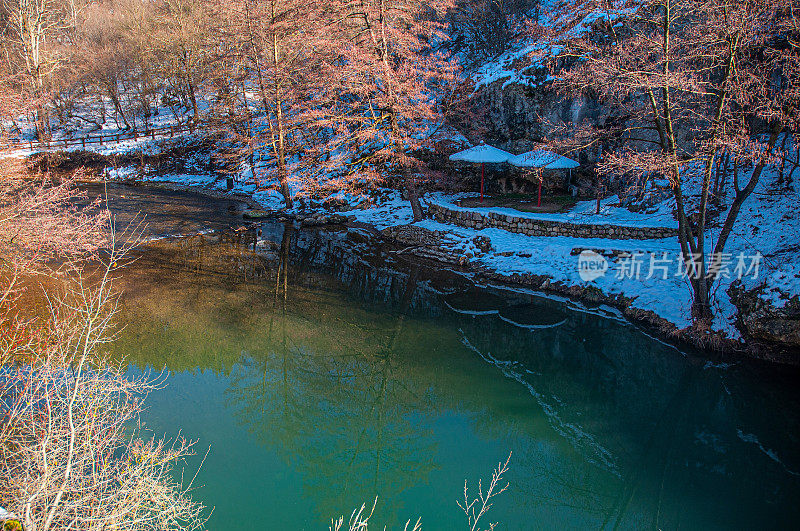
761,255
646,274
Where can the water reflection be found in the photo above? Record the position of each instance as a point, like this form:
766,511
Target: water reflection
352,410
365,375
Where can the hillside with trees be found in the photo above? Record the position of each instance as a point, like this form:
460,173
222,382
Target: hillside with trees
662,135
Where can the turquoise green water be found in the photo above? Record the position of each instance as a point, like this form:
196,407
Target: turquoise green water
320,371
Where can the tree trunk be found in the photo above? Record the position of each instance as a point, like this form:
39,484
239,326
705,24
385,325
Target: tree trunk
42,129
597,192
413,196
701,305
408,179
112,92
102,105
279,118
192,97
742,195
383,54
783,160
283,176
795,165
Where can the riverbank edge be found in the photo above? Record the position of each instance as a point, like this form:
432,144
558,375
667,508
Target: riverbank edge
711,344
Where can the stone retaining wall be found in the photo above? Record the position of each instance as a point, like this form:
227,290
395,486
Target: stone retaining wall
536,227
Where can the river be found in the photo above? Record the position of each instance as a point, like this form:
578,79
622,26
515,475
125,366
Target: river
320,369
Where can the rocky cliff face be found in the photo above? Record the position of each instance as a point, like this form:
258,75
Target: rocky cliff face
519,116
773,333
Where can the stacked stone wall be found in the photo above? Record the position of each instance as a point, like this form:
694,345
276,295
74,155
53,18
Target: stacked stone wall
537,227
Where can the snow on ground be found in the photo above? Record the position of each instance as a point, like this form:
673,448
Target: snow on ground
517,253
121,173
506,67
185,179
384,209
584,212
144,144
769,224
524,64
86,122
764,243
390,211
269,199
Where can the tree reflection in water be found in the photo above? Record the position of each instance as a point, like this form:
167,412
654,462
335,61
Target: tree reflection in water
359,372
345,420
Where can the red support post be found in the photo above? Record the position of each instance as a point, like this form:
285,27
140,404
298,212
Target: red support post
482,167
539,200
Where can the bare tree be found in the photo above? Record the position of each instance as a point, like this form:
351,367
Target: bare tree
474,508
69,461
34,49
68,457
387,87
181,29
71,455
477,508
487,28
106,60
277,51
690,79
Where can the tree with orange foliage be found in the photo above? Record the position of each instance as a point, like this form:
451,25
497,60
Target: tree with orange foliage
689,80
385,87
271,49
